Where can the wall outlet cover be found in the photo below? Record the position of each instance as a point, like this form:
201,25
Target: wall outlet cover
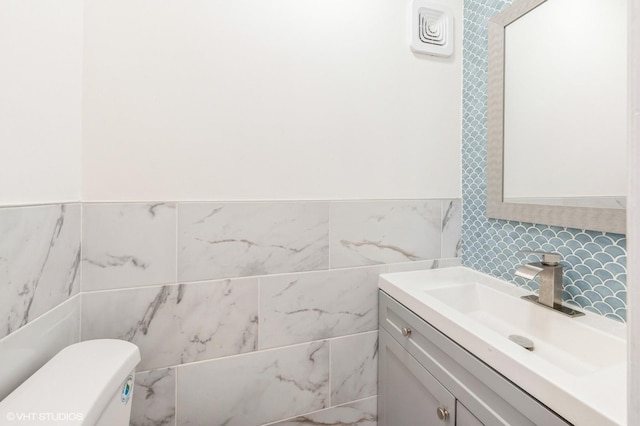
431,28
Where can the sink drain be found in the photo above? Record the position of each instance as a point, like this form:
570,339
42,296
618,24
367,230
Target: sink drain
522,341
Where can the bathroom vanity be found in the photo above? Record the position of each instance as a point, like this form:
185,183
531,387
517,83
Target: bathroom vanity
445,356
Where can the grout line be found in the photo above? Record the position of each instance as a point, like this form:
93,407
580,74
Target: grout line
256,352
43,204
175,396
280,274
384,266
81,266
259,343
257,201
362,333
355,401
329,372
442,215
81,309
330,235
177,220
229,201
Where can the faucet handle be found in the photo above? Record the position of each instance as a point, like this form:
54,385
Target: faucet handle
549,259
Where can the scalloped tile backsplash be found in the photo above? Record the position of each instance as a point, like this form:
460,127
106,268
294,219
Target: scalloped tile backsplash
595,262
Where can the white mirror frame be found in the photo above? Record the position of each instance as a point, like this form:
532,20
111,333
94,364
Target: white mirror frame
595,219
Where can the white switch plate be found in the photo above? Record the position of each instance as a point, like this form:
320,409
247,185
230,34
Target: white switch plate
431,28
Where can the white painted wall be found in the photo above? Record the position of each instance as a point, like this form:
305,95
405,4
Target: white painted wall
40,101
266,99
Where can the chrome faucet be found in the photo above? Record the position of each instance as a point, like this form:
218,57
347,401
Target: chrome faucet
550,284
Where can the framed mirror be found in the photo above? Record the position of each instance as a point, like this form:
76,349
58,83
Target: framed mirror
557,114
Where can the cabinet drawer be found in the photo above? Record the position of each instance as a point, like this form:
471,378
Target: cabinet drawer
492,398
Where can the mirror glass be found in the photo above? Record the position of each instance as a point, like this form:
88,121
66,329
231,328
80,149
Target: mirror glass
565,105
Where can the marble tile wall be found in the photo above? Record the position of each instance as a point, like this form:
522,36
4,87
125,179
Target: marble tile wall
245,313
128,245
39,261
39,286
258,312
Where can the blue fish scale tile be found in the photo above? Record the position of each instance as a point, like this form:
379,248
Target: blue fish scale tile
573,245
582,269
595,262
603,241
584,302
583,238
548,234
615,268
603,258
582,285
615,303
603,274
564,251
615,285
593,248
603,307
593,296
572,291
572,260
592,279
572,275
592,309
603,291
582,254
532,230
615,251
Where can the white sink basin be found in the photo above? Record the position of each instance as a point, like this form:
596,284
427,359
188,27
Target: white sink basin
577,367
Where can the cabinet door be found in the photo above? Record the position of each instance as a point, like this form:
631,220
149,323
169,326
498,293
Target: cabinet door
464,416
408,394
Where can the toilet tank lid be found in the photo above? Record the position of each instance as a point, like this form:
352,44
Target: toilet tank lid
81,378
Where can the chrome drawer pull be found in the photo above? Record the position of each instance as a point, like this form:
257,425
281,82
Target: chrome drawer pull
406,331
443,414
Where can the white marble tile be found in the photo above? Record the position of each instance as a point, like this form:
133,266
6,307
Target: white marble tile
354,367
177,324
296,308
255,388
154,398
451,228
32,346
374,232
360,413
223,240
422,265
39,261
128,245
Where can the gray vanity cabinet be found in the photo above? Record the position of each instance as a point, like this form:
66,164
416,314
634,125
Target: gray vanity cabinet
464,416
427,379
412,396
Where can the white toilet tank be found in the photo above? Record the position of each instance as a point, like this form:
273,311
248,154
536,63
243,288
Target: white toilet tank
88,383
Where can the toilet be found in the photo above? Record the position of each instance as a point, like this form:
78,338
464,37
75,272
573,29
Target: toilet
88,383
